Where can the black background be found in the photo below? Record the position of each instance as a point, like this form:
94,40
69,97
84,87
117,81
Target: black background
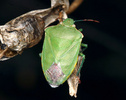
103,76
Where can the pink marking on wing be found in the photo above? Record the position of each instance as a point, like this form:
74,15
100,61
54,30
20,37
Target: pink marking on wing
55,73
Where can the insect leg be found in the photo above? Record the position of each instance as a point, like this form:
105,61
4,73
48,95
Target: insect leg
84,47
80,29
40,54
82,56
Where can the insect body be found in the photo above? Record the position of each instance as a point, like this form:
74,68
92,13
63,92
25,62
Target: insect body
60,51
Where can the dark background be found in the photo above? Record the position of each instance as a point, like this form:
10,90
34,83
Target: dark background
103,76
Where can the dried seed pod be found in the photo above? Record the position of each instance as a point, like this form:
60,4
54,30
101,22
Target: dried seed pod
26,30
74,79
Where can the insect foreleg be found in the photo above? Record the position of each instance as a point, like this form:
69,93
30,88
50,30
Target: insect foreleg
80,29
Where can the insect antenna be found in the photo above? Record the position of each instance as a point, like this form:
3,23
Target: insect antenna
87,20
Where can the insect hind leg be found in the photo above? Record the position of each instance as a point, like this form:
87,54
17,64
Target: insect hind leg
81,57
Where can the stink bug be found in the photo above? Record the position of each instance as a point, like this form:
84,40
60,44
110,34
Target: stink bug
60,52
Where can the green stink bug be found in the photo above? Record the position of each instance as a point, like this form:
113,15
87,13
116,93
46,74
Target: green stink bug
60,52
